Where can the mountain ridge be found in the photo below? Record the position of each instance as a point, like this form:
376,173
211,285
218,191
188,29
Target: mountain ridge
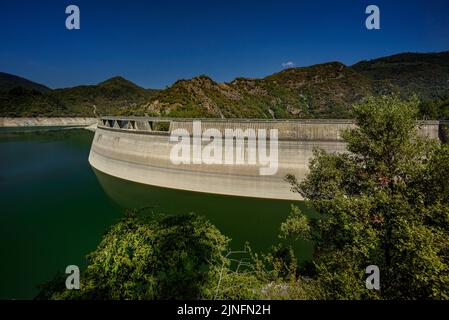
317,91
107,97
9,81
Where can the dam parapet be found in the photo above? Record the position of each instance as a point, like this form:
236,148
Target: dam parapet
139,149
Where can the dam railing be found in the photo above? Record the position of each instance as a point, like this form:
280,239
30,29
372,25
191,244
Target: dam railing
149,123
288,129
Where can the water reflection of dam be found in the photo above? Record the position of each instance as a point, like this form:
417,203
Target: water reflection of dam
242,219
138,149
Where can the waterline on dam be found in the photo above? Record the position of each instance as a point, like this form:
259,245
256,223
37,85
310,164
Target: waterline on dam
55,208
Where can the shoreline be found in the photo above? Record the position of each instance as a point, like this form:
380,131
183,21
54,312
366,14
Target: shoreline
29,122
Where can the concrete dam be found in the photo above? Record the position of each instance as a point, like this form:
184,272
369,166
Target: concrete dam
177,153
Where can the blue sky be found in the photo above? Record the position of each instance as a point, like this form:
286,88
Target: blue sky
154,43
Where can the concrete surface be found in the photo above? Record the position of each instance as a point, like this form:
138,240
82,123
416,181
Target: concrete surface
132,150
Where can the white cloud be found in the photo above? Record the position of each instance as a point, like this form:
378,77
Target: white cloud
288,64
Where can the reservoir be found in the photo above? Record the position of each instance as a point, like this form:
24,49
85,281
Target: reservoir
56,207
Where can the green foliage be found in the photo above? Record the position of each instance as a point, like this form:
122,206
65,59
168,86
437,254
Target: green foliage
279,273
47,290
181,257
164,257
435,109
174,257
297,224
161,126
385,203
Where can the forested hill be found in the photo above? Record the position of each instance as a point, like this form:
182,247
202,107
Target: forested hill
426,74
112,96
319,91
10,81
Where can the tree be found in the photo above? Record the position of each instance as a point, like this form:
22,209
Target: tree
170,257
384,203
163,257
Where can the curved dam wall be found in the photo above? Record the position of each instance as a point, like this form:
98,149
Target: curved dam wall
139,149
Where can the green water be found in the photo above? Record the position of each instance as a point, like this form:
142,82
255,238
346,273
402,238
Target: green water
55,208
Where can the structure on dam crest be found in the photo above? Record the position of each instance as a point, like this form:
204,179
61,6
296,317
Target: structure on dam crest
138,149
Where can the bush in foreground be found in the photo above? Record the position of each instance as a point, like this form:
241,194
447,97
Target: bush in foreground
169,257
